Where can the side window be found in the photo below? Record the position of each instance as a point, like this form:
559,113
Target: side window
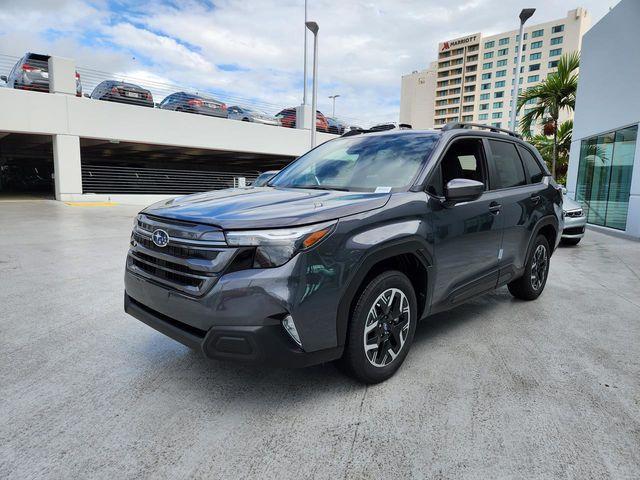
463,159
507,167
534,170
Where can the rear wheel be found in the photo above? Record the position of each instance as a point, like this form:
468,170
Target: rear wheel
531,284
381,328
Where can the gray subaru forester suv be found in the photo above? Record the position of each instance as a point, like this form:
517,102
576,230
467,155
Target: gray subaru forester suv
346,249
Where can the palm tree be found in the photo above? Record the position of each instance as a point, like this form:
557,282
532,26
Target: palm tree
556,93
545,146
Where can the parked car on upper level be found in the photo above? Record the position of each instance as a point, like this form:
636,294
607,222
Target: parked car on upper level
262,179
122,92
336,126
287,118
194,103
31,72
247,114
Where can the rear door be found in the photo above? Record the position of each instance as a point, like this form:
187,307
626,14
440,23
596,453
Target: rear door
519,199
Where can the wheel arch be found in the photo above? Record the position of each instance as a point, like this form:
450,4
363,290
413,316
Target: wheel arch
408,255
547,226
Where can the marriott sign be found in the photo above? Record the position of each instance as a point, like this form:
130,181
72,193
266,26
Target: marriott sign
459,42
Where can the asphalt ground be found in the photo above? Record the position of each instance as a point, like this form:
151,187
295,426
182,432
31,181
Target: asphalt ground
497,388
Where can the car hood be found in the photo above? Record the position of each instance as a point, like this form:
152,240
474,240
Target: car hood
266,207
569,204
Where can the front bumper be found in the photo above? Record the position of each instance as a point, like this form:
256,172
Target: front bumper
264,344
574,227
240,315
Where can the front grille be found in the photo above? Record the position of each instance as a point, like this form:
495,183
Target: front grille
167,275
573,231
179,251
187,263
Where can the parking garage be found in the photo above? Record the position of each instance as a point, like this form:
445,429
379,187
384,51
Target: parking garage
77,149
115,167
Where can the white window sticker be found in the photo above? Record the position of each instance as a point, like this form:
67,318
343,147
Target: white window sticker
382,190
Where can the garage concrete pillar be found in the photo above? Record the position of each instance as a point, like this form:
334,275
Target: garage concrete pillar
62,75
303,117
67,167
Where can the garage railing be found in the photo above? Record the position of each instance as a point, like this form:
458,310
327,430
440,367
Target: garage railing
159,89
142,180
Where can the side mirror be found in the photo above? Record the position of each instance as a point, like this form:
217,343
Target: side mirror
3,78
463,190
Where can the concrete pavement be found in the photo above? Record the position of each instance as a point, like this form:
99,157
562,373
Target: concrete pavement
497,388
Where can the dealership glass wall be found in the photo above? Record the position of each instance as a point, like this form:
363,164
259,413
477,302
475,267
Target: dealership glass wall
604,176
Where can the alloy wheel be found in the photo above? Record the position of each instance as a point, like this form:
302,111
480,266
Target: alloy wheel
539,267
387,327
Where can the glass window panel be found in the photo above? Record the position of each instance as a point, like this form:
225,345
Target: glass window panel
585,172
620,177
599,187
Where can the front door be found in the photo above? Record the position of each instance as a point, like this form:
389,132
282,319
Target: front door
467,235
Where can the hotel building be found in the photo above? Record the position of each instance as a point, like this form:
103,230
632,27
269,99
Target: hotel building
474,74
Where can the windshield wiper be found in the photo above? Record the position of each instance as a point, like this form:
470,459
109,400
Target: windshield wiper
321,187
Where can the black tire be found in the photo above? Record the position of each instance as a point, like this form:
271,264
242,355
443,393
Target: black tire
388,331
570,241
531,284
245,119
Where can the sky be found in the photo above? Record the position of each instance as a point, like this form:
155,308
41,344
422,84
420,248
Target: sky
251,52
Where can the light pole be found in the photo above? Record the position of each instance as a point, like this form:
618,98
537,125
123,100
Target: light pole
304,88
525,15
313,26
333,110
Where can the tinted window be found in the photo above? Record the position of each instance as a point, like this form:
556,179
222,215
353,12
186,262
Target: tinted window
462,160
534,170
508,171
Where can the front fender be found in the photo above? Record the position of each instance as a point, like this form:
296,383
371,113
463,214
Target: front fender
381,244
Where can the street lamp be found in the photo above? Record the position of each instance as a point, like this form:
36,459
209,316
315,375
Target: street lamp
525,15
333,110
313,27
304,90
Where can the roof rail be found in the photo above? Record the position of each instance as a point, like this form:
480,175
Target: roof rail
457,125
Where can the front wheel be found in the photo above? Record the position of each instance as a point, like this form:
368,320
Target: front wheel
381,328
532,282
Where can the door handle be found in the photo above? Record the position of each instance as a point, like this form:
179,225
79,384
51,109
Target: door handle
535,198
495,208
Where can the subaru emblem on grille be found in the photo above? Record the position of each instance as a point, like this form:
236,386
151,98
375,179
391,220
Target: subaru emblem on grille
160,238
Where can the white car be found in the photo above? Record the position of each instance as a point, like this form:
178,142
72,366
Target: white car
575,221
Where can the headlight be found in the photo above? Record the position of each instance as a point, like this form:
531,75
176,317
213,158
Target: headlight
573,213
277,246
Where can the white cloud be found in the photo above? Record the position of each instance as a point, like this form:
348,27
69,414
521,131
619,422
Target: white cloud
365,45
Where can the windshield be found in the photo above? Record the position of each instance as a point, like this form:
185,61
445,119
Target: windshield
360,163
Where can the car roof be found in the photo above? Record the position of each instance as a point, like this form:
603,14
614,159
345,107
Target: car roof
451,133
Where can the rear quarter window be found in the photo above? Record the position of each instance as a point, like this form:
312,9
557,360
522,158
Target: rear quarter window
533,168
507,167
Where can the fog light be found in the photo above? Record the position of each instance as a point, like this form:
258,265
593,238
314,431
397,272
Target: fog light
290,327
